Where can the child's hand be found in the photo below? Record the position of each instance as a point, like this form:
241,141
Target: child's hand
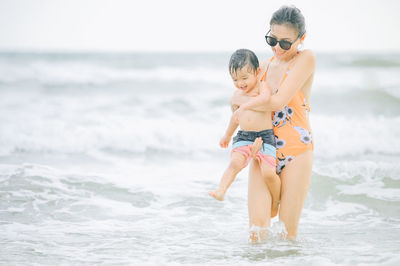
256,147
224,142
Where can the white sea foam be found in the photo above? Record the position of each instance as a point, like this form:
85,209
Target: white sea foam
181,133
340,136
368,170
338,213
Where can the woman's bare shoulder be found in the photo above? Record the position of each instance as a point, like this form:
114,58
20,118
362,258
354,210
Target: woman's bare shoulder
307,55
305,58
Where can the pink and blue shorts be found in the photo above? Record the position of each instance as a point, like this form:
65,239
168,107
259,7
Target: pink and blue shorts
243,141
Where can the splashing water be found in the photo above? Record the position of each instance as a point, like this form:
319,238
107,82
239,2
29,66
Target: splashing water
260,235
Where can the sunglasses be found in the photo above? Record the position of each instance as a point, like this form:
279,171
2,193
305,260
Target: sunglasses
285,45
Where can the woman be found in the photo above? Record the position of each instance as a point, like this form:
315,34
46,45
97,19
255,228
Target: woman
288,76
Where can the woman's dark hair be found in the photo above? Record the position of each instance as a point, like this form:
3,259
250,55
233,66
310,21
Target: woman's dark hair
289,15
241,58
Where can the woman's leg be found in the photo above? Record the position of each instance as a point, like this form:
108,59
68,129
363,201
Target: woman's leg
295,177
274,185
259,199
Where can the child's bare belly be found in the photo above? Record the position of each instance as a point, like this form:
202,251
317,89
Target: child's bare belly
255,121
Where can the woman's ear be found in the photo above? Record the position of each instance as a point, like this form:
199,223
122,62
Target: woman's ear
303,37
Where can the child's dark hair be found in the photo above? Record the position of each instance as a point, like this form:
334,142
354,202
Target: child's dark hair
242,57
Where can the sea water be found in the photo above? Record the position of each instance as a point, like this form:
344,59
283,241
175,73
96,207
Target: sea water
106,159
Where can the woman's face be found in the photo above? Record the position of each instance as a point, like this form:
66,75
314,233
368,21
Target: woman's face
285,33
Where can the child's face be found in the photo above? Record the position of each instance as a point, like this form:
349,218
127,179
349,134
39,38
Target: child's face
245,79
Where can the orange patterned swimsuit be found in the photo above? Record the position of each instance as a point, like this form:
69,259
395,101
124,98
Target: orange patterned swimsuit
291,127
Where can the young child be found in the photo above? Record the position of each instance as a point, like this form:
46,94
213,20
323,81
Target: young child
255,139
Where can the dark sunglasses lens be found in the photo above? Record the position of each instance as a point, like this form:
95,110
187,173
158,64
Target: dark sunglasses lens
271,41
285,45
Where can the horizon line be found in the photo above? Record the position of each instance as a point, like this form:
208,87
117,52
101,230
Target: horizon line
175,51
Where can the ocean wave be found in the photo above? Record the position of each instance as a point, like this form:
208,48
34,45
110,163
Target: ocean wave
381,60
374,183
40,192
87,73
338,136
136,135
177,130
345,79
335,212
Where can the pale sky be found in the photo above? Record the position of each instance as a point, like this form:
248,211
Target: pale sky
188,26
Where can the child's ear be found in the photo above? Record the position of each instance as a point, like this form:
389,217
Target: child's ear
258,71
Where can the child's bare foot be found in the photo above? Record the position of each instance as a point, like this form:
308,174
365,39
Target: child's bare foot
256,146
274,208
218,194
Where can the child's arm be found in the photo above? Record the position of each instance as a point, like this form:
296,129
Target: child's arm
232,126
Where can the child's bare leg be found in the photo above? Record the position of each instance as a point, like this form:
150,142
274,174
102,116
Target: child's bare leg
238,162
274,185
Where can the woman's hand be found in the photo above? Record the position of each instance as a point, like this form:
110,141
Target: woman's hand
224,142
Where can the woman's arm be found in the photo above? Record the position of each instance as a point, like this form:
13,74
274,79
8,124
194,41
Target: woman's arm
239,99
256,103
299,74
